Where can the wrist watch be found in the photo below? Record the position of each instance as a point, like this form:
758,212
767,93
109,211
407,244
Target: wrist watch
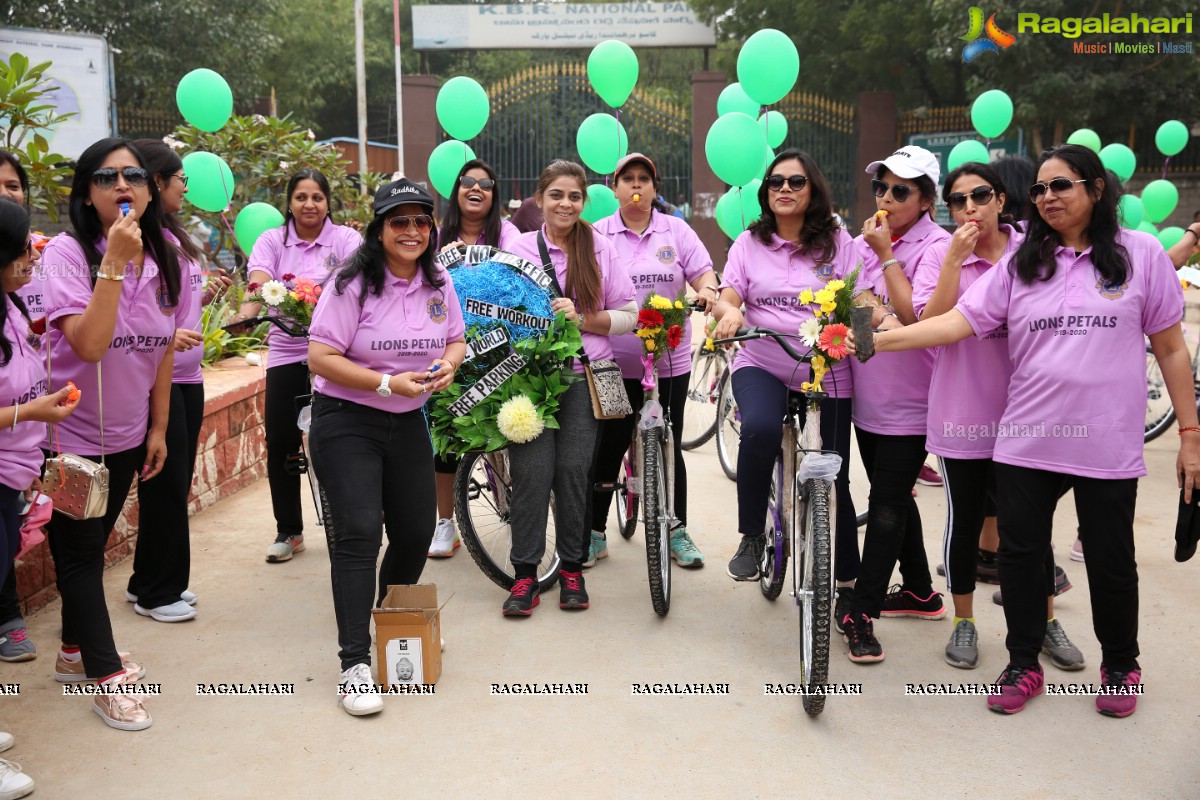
383,389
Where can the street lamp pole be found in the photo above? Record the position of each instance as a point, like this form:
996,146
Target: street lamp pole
399,76
360,66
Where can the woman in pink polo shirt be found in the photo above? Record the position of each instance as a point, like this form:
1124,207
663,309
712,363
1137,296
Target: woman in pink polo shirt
307,245
666,256
387,332
112,290
597,294
474,218
797,244
1079,296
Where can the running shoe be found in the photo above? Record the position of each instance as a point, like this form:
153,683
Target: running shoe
1017,686
928,476
1063,654
522,598
962,650
284,548
744,566
901,602
1121,687
445,540
860,636
684,550
572,595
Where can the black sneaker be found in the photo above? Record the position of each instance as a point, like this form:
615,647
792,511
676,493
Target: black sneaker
571,594
523,598
986,569
901,602
860,636
745,563
1062,585
841,606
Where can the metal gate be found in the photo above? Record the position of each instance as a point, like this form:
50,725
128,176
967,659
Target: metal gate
825,129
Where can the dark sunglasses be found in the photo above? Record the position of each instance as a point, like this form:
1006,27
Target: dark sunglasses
400,223
900,191
980,196
106,178
1058,186
487,184
797,182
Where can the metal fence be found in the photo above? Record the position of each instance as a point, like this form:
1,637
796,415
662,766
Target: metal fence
146,123
826,130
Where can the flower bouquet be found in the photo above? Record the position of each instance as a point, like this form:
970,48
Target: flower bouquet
290,297
660,327
826,332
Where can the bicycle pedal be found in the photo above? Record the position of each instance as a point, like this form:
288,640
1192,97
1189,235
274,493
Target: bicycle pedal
296,464
608,486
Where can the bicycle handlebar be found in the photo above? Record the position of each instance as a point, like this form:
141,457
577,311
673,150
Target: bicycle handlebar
745,334
296,332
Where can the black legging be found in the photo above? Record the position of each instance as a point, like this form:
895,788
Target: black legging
284,384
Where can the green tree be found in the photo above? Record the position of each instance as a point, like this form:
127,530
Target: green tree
24,114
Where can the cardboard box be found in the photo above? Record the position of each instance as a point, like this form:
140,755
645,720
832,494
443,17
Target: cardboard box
408,635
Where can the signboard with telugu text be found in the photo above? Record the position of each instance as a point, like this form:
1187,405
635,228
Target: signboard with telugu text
940,144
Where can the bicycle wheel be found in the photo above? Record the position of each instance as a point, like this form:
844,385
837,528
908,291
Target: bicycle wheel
729,427
815,572
699,422
1160,414
482,495
657,517
773,567
626,498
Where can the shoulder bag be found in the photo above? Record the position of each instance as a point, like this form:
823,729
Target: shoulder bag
77,486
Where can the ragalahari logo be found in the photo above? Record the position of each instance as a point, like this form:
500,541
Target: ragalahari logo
995,39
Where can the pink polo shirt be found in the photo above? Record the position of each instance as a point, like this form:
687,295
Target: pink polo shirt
316,260
1077,397
22,379
187,362
769,279
144,334
508,233
615,287
665,258
969,386
893,388
401,330
32,293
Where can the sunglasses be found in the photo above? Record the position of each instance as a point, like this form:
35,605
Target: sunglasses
106,178
980,196
1058,186
796,182
467,182
182,179
900,191
400,223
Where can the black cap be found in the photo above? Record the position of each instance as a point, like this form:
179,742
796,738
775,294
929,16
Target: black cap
400,192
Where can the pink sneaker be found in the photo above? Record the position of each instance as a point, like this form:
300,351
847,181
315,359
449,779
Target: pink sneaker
1124,688
1016,687
1077,550
928,476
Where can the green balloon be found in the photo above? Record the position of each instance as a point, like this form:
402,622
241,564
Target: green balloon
1172,136
204,99
992,113
1130,211
601,141
462,107
612,69
970,150
774,127
734,98
735,148
601,203
1159,198
722,213
1085,137
1149,228
737,208
445,162
253,221
210,181
767,66
1170,236
1120,159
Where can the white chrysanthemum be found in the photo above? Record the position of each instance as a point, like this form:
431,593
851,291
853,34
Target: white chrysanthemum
311,135
809,331
284,165
519,420
273,293
172,142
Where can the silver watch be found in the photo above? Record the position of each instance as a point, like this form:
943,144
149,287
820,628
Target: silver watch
383,389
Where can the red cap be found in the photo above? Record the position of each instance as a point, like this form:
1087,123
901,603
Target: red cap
632,157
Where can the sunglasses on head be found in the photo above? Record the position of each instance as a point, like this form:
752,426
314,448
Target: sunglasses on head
1058,186
796,182
900,191
400,223
980,196
106,177
467,182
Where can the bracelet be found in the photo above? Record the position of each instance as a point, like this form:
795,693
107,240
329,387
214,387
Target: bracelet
716,289
112,275
1195,428
1193,233
883,267
17,413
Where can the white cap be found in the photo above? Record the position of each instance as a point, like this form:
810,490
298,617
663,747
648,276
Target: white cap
514,204
910,162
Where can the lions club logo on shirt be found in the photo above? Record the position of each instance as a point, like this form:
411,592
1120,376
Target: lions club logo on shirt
666,255
824,272
1111,291
163,297
331,262
437,309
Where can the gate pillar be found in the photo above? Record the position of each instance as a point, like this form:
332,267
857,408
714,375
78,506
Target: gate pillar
707,188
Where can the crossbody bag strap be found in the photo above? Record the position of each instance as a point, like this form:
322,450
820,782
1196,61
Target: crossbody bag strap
548,266
100,401
50,387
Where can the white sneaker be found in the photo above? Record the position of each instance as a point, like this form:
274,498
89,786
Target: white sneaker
445,539
186,596
178,611
13,782
6,741
283,551
359,695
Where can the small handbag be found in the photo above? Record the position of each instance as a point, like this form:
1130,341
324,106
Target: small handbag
605,385
77,486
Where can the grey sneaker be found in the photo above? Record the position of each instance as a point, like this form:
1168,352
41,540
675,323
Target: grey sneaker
283,549
15,644
1063,654
962,650
745,563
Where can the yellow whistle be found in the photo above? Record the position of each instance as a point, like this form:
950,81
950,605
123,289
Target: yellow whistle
881,213
637,198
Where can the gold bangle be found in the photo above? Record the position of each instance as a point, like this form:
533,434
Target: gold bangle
111,275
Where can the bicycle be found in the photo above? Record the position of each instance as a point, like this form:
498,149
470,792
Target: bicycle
729,425
799,520
1160,413
704,386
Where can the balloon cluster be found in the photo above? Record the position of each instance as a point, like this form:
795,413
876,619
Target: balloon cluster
462,110
991,114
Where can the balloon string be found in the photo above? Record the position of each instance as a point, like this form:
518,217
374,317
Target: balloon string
233,235
1166,161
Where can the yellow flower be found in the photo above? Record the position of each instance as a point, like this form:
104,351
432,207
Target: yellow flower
1186,285
649,333
835,285
709,346
519,420
660,302
819,372
650,345
806,296
806,386
679,304
824,296
828,308
818,362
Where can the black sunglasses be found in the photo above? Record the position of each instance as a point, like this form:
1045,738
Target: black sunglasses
400,223
980,196
182,179
797,182
106,177
900,191
1058,186
487,184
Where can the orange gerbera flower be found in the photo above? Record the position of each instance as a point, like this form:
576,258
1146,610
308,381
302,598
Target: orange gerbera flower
832,341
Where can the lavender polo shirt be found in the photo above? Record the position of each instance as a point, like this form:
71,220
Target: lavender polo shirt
893,388
33,293
22,379
316,260
187,362
970,378
615,287
401,330
665,258
1077,397
144,334
769,279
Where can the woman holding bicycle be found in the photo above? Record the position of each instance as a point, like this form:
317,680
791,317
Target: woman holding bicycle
797,244
598,295
307,245
473,218
666,256
1078,296
387,332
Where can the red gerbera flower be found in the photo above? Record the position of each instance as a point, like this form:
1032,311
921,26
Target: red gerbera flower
674,336
649,318
251,288
832,341
38,326
287,276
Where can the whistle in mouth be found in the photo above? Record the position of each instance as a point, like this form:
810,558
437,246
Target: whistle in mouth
124,209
